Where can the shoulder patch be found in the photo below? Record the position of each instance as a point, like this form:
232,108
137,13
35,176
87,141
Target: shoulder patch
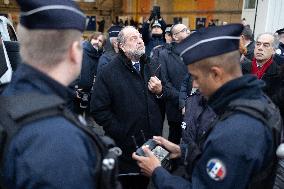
216,169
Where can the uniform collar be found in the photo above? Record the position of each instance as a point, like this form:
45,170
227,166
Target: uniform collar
245,87
37,81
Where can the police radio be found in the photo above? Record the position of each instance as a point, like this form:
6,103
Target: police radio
161,153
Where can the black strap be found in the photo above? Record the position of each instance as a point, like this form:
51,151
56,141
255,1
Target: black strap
21,106
19,110
255,108
269,115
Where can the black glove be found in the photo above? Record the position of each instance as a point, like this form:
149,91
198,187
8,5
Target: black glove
151,16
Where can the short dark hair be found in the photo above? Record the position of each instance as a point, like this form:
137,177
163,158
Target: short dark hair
229,61
247,32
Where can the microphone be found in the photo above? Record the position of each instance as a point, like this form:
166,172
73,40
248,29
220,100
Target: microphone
134,141
142,133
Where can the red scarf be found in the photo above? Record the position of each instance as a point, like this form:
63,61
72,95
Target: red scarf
260,71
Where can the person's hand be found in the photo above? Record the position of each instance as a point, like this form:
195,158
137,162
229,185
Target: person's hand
171,147
151,16
155,85
147,164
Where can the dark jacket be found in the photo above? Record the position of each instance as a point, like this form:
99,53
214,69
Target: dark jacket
155,67
106,57
173,72
185,90
197,121
47,153
197,118
236,148
278,96
155,64
89,66
279,55
271,77
250,50
123,105
152,41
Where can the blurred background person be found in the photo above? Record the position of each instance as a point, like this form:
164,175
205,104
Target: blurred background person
111,48
248,44
173,72
92,50
155,36
279,53
101,25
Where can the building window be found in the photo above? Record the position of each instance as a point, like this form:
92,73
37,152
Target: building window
249,4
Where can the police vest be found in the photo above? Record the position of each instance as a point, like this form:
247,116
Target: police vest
18,110
267,113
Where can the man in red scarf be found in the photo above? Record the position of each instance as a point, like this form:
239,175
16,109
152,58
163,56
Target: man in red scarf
263,65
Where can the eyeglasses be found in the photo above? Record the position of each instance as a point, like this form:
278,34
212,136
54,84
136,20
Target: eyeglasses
181,31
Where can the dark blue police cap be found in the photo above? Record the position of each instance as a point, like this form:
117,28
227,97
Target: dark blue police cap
51,14
168,28
209,42
113,31
281,31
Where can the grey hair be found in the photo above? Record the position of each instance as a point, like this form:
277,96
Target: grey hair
121,36
275,42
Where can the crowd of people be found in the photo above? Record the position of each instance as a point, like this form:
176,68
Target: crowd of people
219,88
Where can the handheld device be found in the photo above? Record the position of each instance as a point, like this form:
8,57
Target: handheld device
161,153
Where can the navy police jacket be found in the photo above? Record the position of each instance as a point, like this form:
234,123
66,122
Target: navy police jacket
47,153
237,147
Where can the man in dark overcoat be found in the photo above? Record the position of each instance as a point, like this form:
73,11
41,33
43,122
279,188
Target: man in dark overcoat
173,72
125,103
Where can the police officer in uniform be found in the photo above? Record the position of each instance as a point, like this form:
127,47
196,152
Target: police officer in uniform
50,152
279,53
238,146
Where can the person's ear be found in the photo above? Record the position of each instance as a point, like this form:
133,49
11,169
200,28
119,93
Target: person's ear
174,37
122,47
273,51
217,74
76,52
